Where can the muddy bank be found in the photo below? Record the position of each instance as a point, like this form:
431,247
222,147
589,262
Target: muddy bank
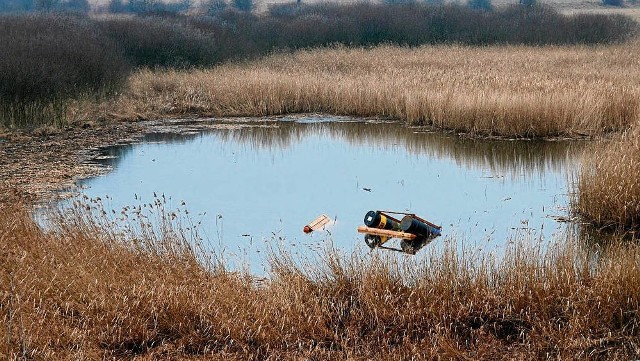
43,163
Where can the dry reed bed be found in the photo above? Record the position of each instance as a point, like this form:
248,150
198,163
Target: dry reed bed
83,292
609,184
512,91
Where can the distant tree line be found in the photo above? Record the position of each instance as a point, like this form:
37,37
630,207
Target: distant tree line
48,58
148,7
155,7
208,7
79,6
139,7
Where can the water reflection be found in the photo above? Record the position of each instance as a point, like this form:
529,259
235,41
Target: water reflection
504,157
261,181
595,239
514,158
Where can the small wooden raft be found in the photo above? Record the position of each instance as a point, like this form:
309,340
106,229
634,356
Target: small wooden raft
317,223
386,233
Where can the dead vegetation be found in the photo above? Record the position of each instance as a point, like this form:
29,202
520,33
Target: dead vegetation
84,291
609,185
512,91
44,163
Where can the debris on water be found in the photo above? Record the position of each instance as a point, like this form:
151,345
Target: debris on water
563,219
317,224
492,176
414,232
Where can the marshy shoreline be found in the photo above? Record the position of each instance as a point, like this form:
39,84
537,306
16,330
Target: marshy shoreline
83,290
109,297
37,165
566,92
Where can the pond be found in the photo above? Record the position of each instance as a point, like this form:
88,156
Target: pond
255,183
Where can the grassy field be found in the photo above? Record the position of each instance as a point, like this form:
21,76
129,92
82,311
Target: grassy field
509,91
85,292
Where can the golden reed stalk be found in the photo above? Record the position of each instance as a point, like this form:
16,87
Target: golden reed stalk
510,91
79,293
609,184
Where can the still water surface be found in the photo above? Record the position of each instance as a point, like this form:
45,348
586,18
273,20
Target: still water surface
256,183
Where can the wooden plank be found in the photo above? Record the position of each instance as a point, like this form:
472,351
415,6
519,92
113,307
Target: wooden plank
317,223
386,233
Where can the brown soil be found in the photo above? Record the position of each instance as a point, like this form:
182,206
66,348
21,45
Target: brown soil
45,164
38,164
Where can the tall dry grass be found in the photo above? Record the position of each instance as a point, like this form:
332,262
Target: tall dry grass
608,187
81,291
49,60
512,91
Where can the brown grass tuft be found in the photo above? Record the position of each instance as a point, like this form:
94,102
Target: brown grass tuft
608,188
84,292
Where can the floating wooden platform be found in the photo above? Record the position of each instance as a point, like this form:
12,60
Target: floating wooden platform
386,233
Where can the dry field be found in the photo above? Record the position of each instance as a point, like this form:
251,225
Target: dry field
83,292
508,91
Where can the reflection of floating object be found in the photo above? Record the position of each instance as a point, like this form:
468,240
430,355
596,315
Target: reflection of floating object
317,224
413,231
